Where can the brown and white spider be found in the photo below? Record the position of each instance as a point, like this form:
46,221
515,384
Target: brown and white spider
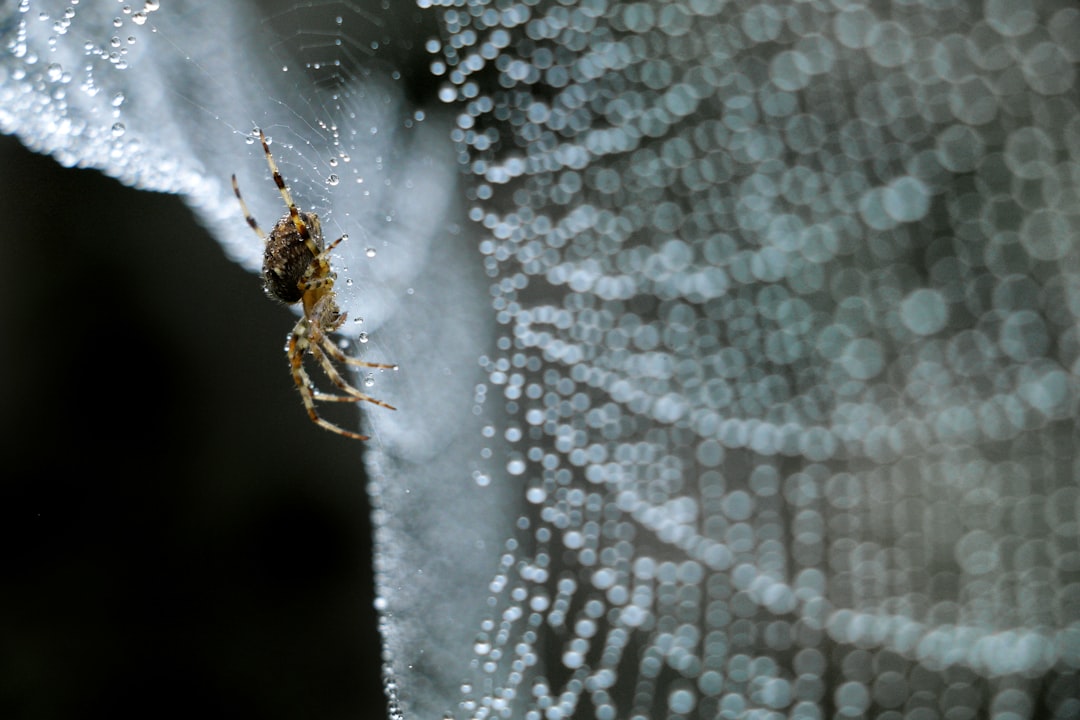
296,268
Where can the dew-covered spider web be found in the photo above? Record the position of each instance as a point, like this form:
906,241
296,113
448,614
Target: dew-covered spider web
744,364
787,299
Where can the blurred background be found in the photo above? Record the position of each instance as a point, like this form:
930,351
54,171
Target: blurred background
178,538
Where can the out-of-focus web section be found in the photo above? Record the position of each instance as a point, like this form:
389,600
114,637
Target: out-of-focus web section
788,299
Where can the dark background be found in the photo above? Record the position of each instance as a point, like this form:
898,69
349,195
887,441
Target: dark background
177,538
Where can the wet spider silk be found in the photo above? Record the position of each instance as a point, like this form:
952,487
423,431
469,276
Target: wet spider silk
787,355
745,384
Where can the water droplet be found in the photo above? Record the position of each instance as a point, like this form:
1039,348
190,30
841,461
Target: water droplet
55,71
370,252
369,381
333,162
362,337
118,129
332,180
126,9
358,321
117,22
348,282
118,99
151,5
139,18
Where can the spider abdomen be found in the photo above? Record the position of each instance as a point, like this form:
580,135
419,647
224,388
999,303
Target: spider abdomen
287,257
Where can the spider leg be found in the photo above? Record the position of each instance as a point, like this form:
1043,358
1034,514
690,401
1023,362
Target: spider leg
331,246
294,213
340,356
247,213
319,340
298,343
320,396
318,273
309,283
337,379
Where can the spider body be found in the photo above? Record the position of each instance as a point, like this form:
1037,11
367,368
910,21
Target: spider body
296,268
287,257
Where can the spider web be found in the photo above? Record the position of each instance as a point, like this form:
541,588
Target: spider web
747,349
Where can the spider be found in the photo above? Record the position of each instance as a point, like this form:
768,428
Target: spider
296,268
